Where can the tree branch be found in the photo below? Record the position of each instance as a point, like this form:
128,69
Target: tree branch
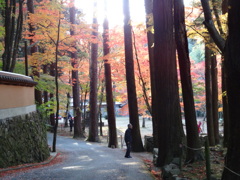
217,38
215,11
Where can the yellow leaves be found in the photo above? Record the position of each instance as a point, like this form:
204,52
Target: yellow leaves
37,59
224,94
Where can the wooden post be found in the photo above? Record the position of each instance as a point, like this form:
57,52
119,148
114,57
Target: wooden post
207,157
143,123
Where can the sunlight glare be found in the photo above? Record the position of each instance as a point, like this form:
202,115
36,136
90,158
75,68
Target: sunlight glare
115,11
74,167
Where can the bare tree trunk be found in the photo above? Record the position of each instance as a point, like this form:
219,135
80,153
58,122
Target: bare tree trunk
67,110
137,144
52,73
45,93
93,128
224,89
38,94
208,85
109,94
220,42
13,22
167,108
232,64
142,82
56,83
224,6
150,36
225,107
78,132
214,74
193,140
84,94
100,105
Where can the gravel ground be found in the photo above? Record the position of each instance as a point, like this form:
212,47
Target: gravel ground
88,161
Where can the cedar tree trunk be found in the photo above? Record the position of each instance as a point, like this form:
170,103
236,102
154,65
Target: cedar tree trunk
167,108
232,64
93,128
193,140
208,85
137,145
78,132
214,73
109,94
13,22
150,37
38,94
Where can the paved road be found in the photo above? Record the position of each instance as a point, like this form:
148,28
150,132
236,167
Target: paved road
88,161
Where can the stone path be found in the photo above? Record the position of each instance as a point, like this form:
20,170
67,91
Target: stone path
88,161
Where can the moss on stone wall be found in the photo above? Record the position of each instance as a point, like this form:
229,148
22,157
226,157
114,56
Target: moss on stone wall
23,139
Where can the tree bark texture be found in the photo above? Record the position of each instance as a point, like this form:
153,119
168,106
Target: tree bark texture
208,89
93,128
193,141
232,64
38,94
214,74
167,108
150,37
224,89
78,132
13,22
52,73
109,94
225,107
45,93
56,83
224,6
137,145
208,22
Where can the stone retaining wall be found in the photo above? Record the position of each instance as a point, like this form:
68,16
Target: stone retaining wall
23,139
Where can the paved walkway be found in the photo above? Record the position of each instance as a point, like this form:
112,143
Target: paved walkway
88,161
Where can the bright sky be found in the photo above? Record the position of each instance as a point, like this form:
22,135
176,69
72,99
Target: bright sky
115,10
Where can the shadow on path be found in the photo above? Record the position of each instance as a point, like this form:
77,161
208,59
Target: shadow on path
87,161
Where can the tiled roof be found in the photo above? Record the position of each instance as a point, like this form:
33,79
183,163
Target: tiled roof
16,79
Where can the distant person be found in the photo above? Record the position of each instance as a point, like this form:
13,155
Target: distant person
199,127
128,140
70,123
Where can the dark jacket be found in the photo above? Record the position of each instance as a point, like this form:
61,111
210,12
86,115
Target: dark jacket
71,122
128,135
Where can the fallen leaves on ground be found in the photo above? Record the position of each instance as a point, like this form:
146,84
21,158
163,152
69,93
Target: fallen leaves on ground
194,171
26,167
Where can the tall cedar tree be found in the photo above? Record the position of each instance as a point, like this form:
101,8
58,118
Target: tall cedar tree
109,94
93,129
38,94
220,42
208,89
137,145
78,131
167,98
13,22
214,75
232,64
193,140
224,89
150,37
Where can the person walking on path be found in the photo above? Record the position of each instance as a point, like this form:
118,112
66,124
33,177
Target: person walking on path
128,140
71,123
